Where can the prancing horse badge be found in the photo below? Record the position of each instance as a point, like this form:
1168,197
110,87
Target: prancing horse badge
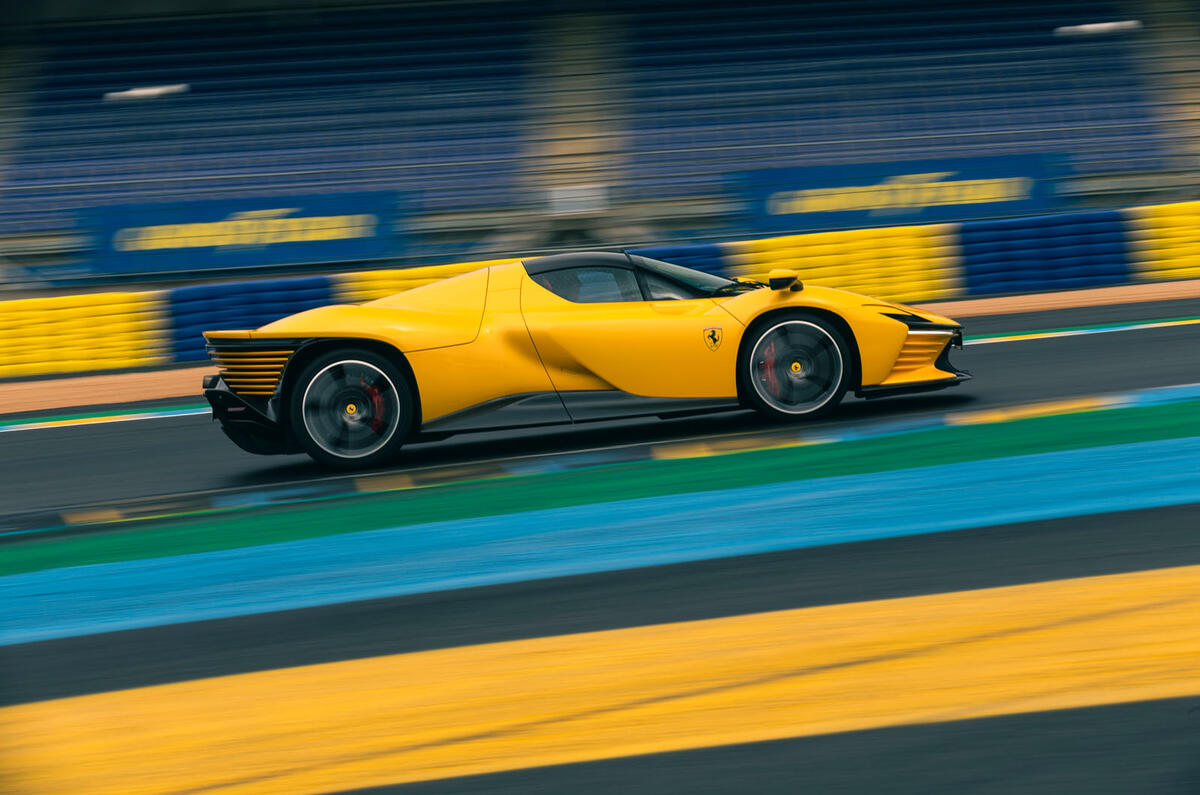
712,337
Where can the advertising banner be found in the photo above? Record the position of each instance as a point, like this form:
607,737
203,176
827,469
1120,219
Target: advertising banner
244,233
897,193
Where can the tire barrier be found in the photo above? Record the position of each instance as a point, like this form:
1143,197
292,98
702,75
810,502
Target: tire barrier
901,263
1165,240
1051,252
74,333
119,330
238,305
354,288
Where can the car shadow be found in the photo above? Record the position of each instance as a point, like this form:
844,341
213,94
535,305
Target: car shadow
471,447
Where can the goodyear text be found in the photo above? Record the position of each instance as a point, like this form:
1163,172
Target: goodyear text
251,228
901,192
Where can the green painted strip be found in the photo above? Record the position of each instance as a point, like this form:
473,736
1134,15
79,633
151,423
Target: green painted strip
348,513
1016,335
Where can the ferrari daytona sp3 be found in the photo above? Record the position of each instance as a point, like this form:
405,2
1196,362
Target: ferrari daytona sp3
567,338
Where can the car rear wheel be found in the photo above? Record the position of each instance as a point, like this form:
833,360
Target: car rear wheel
794,366
350,409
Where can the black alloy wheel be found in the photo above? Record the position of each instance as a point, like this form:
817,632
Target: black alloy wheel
351,409
794,366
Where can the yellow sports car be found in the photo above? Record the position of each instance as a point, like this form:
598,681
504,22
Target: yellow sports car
562,339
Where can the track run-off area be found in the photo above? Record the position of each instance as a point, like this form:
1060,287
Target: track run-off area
989,589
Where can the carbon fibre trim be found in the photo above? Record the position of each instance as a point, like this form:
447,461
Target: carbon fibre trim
890,390
550,408
593,406
252,427
513,411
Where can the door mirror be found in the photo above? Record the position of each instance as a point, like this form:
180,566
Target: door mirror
782,279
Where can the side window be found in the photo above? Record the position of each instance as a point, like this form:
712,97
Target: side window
660,289
591,285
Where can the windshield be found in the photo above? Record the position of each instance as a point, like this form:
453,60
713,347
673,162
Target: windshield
704,283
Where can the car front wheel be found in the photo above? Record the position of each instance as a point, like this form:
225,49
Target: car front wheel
793,366
351,409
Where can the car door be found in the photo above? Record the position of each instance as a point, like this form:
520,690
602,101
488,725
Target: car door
599,325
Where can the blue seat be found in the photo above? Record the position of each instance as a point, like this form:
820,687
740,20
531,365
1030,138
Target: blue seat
842,82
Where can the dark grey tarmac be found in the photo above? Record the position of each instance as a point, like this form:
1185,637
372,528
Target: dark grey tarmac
85,465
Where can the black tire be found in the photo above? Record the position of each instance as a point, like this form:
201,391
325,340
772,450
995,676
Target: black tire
804,374
350,408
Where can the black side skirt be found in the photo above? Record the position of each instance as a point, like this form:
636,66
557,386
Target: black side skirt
889,390
551,408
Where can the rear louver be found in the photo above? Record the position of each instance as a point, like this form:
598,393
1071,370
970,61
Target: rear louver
251,370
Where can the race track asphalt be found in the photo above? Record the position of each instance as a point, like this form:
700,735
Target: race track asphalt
1146,746
1143,747
1150,746
85,465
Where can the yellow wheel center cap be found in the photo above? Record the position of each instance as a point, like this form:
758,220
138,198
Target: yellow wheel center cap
796,368
351,408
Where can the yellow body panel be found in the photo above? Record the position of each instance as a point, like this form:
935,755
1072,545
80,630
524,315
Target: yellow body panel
495,333
499,362
648,348
434,316
879,338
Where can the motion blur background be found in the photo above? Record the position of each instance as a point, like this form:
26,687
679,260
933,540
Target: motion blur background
495,128
990,591
152,145
157,144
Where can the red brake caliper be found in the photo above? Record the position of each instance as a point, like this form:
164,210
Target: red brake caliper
377,408
769,363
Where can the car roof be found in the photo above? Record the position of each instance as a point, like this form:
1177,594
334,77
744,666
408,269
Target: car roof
577,259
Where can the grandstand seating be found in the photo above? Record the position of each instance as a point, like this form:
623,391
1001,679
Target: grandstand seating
718,87
422,99
433,99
